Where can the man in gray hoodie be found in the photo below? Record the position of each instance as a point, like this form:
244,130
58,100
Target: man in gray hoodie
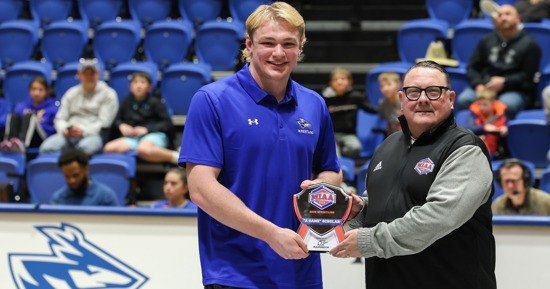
85,109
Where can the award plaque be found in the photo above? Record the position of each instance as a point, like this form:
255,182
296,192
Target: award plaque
322,210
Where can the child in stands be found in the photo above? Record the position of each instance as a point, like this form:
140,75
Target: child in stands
343,102
390,106
32,120
175,191
488,120
144,124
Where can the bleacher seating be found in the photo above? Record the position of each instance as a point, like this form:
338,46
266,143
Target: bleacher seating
451,11
149,11
200,11
96,12
218,44
45,12
63,42
168,42
10,9
18,39
116,42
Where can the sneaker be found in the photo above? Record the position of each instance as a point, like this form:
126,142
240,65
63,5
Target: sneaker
5,146
17,146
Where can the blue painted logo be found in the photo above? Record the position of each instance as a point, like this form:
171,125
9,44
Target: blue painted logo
73,263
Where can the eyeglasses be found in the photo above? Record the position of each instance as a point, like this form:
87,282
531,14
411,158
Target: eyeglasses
432,92
512,181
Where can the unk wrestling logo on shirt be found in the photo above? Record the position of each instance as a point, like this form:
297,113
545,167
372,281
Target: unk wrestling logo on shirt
305,126
74,262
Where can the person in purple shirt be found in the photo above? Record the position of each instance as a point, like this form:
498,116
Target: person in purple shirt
175,191
32,120
80,189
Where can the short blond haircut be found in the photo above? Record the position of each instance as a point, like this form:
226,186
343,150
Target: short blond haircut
389,76
486,93
341,71
279,11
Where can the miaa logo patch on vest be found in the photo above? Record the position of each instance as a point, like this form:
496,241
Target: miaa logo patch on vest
424,166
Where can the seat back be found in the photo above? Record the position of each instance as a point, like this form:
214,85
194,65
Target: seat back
529,140
370,131
348,168
49,11
218,43
459,79
415,36
531,114
121,75
241,9
373,88
18,39
10,9
95,12
462,117
149,11
541,32
44,178
168,42
115,171
116,42
451,11
200,11
19,76
544,183
12,168
179,83
466,36
64,42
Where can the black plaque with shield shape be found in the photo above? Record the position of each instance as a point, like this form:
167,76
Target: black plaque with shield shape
322,210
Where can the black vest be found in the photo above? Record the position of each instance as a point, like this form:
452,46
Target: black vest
465,258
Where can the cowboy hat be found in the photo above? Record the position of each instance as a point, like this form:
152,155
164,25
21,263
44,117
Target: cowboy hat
436,52
489,7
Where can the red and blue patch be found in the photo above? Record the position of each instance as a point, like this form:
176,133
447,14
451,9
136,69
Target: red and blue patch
322,197
424,166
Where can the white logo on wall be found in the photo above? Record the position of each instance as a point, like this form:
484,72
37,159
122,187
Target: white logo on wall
74,262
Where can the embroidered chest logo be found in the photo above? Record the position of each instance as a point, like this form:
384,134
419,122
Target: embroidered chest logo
322,197
253,121
424,166
305,126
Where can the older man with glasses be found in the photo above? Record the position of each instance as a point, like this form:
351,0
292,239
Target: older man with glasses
428,220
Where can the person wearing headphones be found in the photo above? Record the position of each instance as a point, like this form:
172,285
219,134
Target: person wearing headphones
519,195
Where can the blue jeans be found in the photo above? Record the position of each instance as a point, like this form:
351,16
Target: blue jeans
514,100
90,144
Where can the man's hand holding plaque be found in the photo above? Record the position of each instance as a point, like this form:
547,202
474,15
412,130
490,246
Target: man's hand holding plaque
322,210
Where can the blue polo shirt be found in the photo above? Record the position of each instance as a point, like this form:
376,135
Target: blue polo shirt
264,150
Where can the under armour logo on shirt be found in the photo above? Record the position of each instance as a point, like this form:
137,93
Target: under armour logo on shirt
253,121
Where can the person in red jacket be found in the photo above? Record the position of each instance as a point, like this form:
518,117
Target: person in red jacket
488,120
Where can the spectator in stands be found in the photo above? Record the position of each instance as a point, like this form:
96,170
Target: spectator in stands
5,110
506,61
87,110
488,120
429,193
175,191
390,106
143,124
533,10
32,120
546,101
343,102
80,189
519,195
251,141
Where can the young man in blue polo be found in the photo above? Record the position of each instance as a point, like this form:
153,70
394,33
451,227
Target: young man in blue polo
251,141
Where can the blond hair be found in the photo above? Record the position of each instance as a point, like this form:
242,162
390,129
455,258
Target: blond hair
279,11
389,76
341,71
486,93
